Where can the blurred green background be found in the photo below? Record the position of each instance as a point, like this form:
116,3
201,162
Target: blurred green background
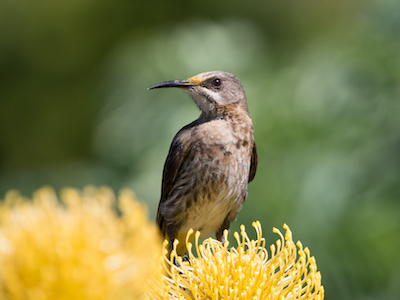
323,86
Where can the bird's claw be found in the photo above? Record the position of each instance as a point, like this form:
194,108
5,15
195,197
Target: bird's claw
184,258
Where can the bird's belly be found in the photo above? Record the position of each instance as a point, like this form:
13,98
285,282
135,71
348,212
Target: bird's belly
218,191
209,215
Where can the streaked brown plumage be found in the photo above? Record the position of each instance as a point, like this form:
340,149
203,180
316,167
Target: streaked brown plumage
210,161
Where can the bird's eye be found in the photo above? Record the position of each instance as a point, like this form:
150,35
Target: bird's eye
216,82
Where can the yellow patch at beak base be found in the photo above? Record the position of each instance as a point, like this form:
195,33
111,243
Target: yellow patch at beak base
195,80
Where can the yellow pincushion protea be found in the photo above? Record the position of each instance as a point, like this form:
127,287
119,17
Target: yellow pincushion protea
77,249
246,272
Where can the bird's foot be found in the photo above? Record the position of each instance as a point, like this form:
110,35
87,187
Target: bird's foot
175,261
185,258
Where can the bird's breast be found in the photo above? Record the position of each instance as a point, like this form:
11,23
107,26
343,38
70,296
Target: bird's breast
223,146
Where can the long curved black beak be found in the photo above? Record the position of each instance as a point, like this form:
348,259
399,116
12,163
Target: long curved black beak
172,83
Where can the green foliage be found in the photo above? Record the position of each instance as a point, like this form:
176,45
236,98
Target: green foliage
323,86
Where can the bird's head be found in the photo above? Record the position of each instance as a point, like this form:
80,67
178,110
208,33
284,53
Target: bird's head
214,92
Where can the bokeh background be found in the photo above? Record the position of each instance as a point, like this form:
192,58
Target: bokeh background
323,86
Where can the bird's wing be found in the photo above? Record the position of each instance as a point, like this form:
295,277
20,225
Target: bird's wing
176,155
253,162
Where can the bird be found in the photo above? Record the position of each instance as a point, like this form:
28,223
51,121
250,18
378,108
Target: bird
210,161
